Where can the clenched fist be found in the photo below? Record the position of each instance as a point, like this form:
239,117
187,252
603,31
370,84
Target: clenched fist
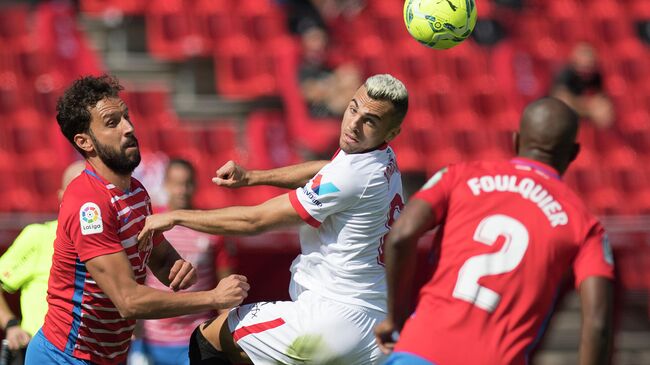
231,291
231,175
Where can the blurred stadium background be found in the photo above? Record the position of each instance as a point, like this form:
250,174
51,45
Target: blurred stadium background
213,80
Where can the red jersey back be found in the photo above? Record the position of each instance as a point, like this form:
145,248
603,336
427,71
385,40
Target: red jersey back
96,218
510,231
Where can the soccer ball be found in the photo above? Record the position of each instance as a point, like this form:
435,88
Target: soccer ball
440,24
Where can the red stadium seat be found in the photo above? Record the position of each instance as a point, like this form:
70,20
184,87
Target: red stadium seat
371,55
245,69
14,31
317,136
464,63
412,61
172,33
269,143
221,143
150,107
408,150
217,26
606,201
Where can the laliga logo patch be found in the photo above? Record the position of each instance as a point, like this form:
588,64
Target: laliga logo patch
90,219
322,189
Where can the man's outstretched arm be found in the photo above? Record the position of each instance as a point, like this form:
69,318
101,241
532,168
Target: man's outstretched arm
400,252
232,175
275,212
596,297
114,275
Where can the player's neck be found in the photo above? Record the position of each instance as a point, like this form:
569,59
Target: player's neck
544,158
121,181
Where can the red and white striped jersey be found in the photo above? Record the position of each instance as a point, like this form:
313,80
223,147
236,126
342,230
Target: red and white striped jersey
96,218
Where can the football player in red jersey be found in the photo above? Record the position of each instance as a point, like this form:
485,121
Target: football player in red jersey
508,233
95,290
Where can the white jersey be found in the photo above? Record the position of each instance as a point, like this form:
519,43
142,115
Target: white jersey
350,205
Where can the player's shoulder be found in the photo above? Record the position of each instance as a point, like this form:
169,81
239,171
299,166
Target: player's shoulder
365,163
84,189
570,200
135,184
40,228
37,229
84,184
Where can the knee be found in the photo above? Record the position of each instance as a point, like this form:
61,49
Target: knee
202,352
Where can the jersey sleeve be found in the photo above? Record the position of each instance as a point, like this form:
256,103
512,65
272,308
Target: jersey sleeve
93,226
330,191
436,192
594,257
17,263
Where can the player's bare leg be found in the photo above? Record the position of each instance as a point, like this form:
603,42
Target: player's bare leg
217,334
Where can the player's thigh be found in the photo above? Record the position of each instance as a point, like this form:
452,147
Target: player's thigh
40,351
307,331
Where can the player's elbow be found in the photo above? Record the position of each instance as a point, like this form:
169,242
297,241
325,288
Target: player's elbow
259,219
128,306
252,224
260,225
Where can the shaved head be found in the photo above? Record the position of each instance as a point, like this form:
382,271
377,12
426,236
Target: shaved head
547,133
73,170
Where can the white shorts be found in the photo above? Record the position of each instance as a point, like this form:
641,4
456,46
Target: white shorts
309,330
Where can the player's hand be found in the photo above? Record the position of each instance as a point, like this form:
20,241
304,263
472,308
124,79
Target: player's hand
231,291
154,223
231,175
17,337
182,275
386,336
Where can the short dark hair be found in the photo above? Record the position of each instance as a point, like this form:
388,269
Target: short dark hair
73,108
182,163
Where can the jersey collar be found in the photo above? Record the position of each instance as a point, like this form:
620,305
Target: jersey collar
91,172
539,166
381,147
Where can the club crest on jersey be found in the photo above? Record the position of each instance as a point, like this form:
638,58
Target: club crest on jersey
90,219
322,189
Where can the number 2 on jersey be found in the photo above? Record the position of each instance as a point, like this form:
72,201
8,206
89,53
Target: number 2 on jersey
500,262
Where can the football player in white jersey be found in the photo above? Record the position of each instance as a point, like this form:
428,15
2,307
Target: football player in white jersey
338,286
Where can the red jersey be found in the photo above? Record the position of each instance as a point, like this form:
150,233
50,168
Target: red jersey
510,231
96,218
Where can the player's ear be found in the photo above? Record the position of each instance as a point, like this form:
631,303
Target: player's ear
84,142
574,152
392,134
515,142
